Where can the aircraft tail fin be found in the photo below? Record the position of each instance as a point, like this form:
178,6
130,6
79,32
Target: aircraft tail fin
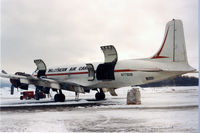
173,47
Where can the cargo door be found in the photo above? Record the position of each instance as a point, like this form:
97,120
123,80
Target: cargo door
110,53
41,67
105,71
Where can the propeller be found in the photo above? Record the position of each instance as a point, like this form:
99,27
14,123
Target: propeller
12,90
15,83
4,72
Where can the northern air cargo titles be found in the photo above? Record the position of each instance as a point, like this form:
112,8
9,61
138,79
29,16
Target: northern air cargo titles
66,69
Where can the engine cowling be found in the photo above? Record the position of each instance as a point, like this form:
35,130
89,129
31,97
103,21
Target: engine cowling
15,83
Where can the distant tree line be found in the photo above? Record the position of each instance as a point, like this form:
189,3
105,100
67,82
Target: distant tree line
177,81
4,83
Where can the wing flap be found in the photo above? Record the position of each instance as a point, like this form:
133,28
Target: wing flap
41,82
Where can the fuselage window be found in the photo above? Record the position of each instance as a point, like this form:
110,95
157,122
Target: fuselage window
149,78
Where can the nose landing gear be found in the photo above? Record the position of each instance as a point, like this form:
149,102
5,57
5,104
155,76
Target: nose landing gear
100,95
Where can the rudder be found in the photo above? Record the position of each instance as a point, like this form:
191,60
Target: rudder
173,47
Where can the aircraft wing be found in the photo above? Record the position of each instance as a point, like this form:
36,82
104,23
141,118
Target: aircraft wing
45,82
5,75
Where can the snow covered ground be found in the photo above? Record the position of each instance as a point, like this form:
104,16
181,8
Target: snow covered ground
167,109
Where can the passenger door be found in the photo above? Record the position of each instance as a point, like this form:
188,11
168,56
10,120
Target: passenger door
91,72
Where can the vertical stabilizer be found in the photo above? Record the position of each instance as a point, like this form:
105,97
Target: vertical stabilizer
173,46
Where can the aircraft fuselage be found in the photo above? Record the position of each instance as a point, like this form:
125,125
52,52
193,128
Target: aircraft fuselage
126,73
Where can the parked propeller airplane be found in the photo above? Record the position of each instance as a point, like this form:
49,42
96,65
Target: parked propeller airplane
169,61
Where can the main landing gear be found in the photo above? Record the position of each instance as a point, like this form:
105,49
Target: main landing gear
60,97
100,94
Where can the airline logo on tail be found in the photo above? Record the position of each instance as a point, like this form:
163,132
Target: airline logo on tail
158,54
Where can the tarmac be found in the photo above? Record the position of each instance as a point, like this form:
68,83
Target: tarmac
168,109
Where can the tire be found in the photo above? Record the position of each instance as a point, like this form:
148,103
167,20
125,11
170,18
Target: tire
99,96
27,98
59,98
37,97
102,96
21,97
56,98
62,97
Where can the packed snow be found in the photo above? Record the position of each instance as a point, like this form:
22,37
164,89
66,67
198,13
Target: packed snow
164,109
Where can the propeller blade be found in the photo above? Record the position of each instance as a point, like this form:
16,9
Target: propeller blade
12,90
4,72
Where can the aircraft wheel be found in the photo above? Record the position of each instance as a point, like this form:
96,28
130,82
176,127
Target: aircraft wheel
59,98
56,98
37,97
62,97
102,96
27,97
99,96
21,97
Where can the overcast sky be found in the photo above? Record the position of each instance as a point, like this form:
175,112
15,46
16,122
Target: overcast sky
72,31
